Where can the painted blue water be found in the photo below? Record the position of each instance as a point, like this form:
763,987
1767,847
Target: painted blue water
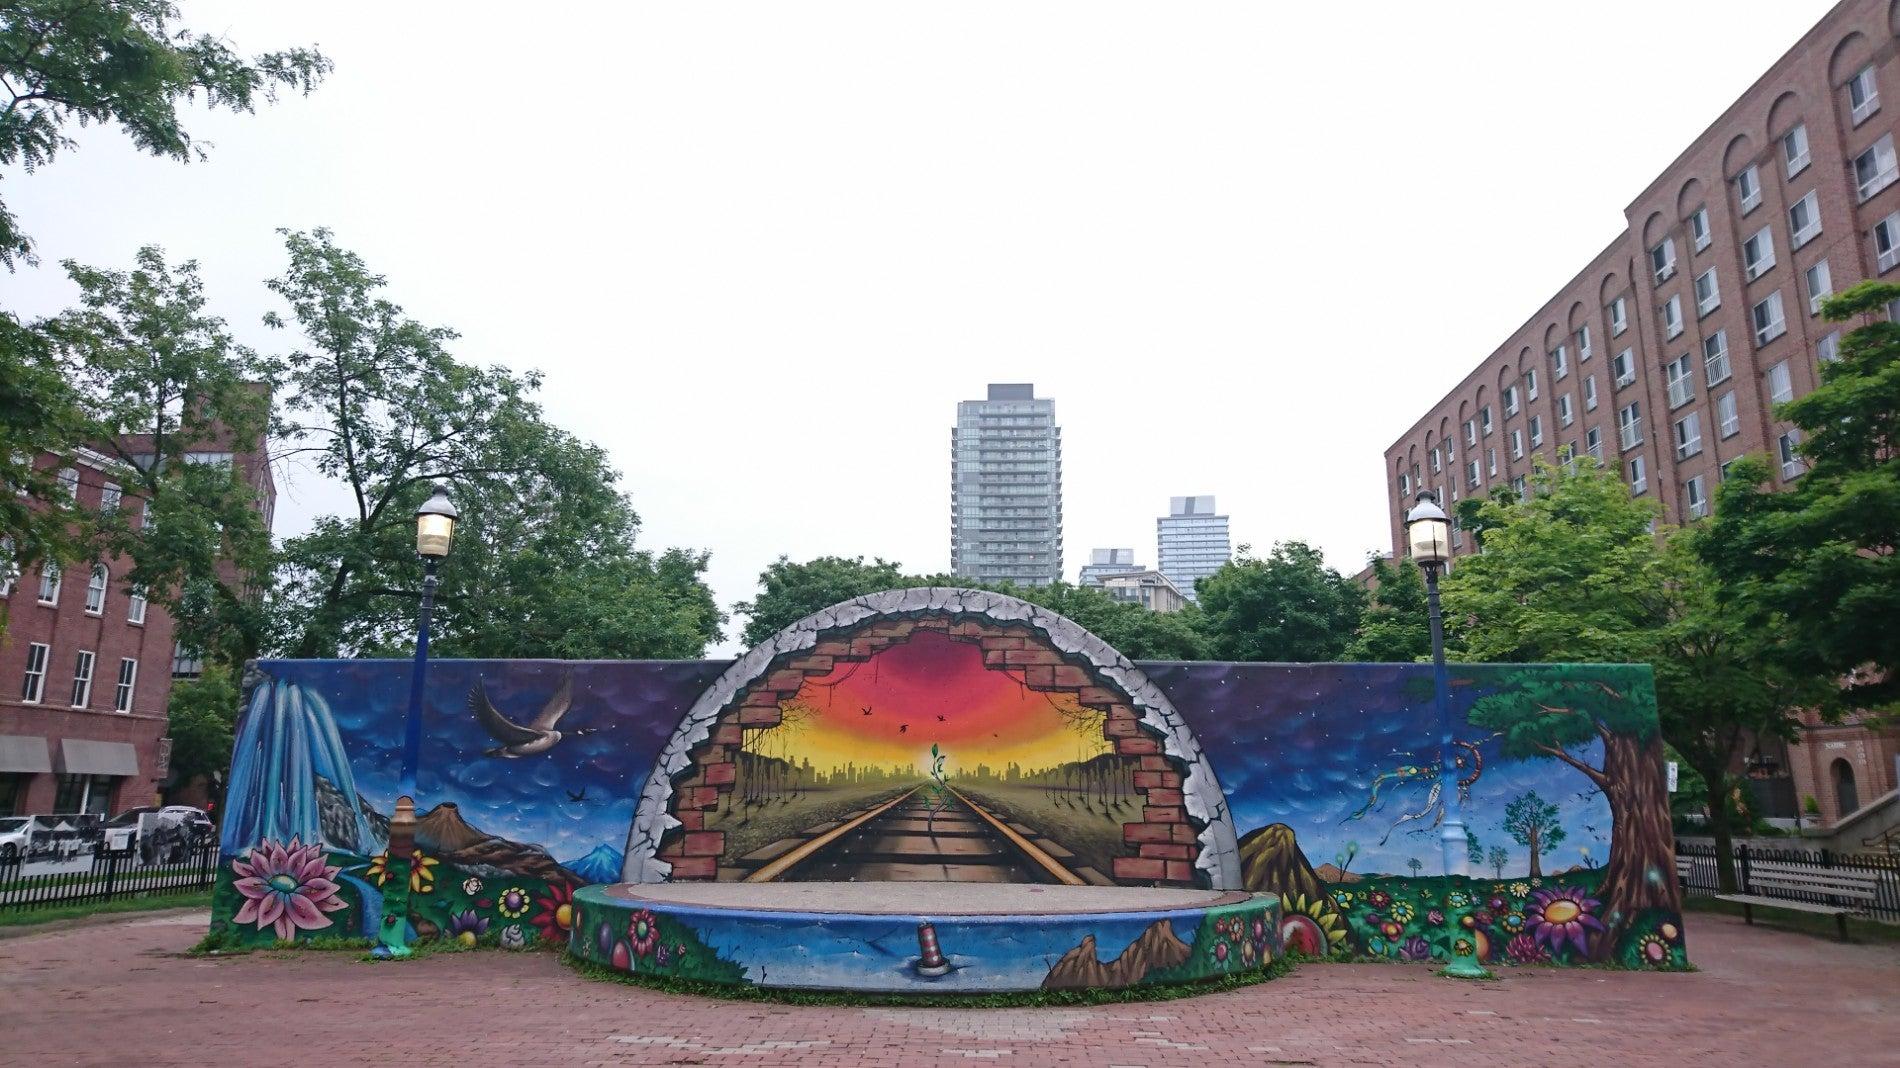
287,739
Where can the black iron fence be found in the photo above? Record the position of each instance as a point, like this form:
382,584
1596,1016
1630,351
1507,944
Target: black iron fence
1702,873
27,883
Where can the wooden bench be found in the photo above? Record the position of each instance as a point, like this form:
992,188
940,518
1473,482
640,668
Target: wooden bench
1777,885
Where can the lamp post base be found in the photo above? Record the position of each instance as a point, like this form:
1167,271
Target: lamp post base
1461,967
392,940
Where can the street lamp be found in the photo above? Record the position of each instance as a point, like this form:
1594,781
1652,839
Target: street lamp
1428,535
435,531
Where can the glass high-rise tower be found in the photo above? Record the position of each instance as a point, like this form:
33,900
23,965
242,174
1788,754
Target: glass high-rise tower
1193,541
1006,488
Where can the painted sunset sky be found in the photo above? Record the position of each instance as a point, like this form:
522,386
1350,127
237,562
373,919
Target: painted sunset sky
933,689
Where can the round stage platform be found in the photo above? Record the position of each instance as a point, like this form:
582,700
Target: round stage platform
923,937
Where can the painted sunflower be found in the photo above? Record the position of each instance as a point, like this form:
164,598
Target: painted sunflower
421,879
1309,927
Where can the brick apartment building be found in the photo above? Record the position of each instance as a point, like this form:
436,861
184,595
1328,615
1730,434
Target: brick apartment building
1664,356
86,663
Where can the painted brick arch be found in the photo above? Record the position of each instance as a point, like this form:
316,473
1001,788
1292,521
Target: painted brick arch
1184,835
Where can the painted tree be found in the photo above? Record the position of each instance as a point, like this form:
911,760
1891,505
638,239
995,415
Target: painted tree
1344,858
1415,864
1533,822
1497,857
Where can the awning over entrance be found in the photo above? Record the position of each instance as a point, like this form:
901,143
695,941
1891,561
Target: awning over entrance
82,756
24,753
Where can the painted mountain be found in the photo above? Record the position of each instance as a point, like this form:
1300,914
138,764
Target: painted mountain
600,866
442,832
1271,861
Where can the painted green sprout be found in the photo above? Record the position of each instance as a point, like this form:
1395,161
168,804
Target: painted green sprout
937,790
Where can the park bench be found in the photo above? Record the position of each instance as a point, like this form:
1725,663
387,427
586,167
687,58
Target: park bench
1784,886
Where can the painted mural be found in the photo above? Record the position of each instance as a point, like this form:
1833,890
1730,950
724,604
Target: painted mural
961,736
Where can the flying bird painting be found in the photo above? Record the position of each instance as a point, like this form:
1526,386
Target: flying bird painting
535,738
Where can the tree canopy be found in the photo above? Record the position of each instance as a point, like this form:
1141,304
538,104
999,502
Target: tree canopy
1394,626
1287,607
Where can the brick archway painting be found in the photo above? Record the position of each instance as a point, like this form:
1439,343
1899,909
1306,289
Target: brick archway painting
933,735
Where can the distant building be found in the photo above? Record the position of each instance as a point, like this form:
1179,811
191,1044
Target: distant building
1149,589
1006,488
1105,562
1193,542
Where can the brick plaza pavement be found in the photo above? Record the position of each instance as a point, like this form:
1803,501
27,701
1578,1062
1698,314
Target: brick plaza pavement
121,994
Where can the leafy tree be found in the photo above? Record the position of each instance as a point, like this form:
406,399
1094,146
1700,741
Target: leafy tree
1819,558
123,63
1474,849
544,562
1394,627
1497,857
788,592
203,717
1415,864
1287,607
39,413
1135,632
161,384
1532,821
1344,858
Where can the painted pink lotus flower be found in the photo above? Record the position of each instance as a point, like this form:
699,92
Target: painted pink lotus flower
288,887
1522,949
1561,916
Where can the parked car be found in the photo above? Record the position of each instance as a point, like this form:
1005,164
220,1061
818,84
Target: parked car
16,836
169,834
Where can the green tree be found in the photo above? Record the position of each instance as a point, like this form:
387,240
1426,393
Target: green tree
1819,558
123,63
1415,864
1135,632
203,717
544,562
1497,857
1394,626
788,591
1532,821
39,413
1287,607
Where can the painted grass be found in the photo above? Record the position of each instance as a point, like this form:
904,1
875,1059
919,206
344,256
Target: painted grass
141,903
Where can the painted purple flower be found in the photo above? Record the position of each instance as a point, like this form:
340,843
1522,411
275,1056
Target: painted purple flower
1523,949
662,956
1562,915
514,903
467,927
288,887
1415,948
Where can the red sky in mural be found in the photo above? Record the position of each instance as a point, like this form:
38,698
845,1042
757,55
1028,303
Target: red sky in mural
987,716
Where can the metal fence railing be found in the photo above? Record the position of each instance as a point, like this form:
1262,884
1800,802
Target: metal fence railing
1702,873
105,875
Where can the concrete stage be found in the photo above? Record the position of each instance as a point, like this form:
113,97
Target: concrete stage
924,937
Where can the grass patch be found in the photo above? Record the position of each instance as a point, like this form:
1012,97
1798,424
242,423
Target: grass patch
1859,929
199,899
1016,999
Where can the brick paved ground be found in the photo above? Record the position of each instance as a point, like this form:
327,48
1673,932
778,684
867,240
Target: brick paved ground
120,994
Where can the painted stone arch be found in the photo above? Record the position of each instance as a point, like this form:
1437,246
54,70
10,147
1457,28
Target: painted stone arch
1175,829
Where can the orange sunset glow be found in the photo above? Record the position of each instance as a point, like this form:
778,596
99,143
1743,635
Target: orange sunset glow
928,690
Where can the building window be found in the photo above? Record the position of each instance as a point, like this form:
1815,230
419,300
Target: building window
1758,254
1560,361
1695,501
84,794
128,678
33,686
1484,419
1662,259
1491,462
1672,316
1708,296
1887,242
1510,400
135,605
1681,381
1748,188
1629,425
8,572
1874,168
49,583
1537,431
82,678
1619,317
1699,228
1639,474
1715,357
1583,343
1780,384
1769,323
1688,435
1590,393
109,499
1517,444
1820,286
1623,365
1405,485
1530,384
1565,416
1520,486
1828,349
1804,221
96,590
1593,443
1863,94
1788,446
1794,149
1471,474
69,482
1727,421
1471,432
1437,461
187,663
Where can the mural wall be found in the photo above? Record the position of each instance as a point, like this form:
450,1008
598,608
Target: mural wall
952,735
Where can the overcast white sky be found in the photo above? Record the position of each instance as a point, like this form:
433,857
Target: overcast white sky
761,250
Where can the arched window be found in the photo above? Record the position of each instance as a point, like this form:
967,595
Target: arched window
96,590
49,583
1844,790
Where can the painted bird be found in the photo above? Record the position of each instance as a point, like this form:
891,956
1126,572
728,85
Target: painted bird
867,710
903,728
533,739
941,719
577,797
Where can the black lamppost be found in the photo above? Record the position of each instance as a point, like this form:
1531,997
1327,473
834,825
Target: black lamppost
1428,535
435,531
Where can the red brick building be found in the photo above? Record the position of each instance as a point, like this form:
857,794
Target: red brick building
1664,356
86,664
